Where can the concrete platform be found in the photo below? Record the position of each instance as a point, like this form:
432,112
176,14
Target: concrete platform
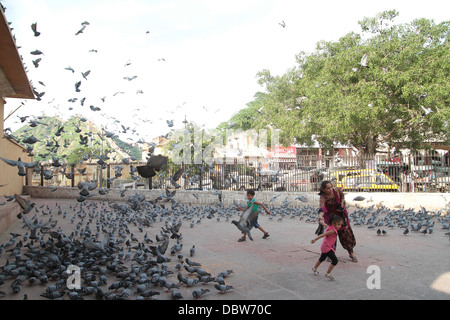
411,267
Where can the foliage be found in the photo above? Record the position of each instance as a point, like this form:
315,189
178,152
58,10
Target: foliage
60,138
401,98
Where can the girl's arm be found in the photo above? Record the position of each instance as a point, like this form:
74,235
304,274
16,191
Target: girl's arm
328,233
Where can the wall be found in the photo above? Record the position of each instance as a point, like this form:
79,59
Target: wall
431,201
13,183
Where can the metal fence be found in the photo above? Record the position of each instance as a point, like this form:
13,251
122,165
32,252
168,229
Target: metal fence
413,172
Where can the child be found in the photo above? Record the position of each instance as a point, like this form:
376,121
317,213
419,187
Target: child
252,203
329,245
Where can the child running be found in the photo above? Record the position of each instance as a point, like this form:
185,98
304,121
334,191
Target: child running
254,204
329,245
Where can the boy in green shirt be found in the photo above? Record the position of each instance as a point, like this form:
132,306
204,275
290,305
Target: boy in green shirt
254,204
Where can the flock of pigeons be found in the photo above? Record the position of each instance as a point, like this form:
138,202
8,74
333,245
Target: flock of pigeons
110,244
118,259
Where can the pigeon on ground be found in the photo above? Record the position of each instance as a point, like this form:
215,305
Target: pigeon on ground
197,293
223,287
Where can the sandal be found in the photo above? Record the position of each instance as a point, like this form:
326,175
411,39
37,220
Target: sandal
316,273
354,259
241,239
266,235
330,276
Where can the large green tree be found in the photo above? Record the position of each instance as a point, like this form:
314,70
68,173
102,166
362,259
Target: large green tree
397,94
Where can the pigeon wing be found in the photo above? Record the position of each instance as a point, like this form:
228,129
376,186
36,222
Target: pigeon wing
146,171
10,162
21,201
157,162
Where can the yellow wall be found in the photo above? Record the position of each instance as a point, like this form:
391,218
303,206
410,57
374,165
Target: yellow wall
10,150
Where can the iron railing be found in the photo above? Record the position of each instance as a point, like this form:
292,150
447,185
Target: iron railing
413,172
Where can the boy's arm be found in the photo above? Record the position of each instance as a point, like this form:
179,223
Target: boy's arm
264,207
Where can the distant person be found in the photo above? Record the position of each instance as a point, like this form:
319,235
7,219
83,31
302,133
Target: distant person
328,246
332,202
254,205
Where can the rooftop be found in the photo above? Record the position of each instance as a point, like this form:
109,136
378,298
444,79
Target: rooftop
14,82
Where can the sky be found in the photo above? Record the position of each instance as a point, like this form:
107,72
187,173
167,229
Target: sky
174,59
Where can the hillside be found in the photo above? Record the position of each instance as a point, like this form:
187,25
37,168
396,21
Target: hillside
71,140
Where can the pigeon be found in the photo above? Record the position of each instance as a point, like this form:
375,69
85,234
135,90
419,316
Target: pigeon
34,28
364,59
192,263
223,287
81,30
359,198
30,140
226,273
197,293
426,111
192,251
85,74
36,52
176,294
245,220
301,198
77,86
70,69
85,187
36,62
243,229
22,166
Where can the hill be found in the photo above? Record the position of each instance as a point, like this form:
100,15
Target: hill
74,140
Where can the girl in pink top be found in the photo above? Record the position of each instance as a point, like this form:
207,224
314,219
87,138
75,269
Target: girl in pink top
328,245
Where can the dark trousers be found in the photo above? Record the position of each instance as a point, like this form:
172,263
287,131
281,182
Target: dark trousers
330,254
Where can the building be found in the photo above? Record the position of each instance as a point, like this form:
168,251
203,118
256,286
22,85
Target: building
14,83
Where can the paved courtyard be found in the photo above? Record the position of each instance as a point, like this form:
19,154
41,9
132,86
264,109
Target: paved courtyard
413,266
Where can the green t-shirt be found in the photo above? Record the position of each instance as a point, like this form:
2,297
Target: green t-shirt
252,204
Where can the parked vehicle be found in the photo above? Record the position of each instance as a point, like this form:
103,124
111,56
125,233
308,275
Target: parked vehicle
363,179
299,181
369,182
270,180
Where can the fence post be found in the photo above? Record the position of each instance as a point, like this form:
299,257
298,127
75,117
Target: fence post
42,175
411,163
108,176
73,176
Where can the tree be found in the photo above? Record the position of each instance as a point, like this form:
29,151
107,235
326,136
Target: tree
400,98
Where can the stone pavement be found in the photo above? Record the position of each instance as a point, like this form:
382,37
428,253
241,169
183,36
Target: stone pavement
413,266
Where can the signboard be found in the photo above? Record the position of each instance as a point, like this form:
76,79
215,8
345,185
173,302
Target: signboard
285,152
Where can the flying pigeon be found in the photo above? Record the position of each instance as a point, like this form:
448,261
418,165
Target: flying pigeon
21,165
34,28
364,59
